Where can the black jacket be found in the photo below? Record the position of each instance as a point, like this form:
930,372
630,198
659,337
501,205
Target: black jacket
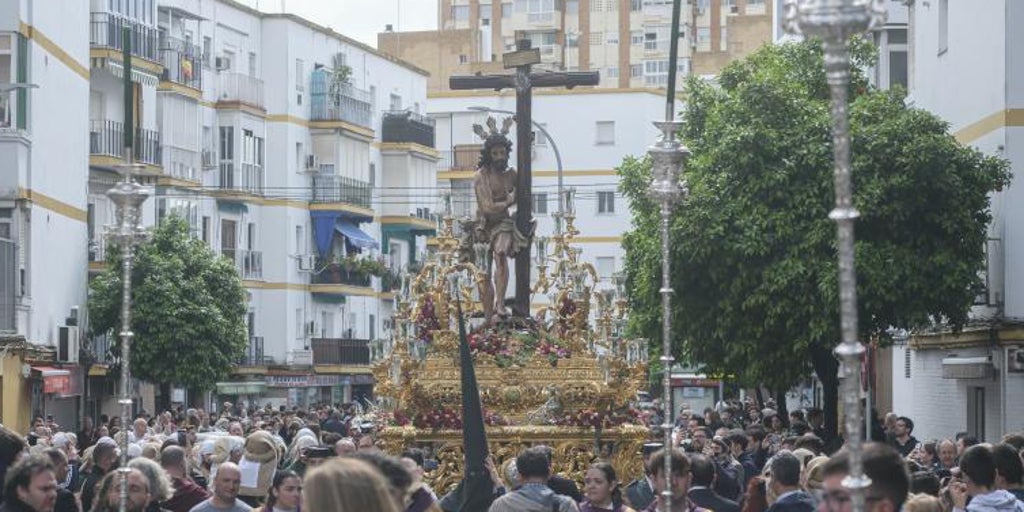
90,479
797,502
13,504
65,501
640,494
709,499
565,487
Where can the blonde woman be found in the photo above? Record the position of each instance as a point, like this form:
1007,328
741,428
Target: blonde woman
347,485
923,503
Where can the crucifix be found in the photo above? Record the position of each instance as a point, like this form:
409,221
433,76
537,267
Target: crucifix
524,81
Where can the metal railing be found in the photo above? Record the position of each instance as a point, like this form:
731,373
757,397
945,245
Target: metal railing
101,349
407,126
334,274
241,88
98,247
331,188
183,62
182,163
253,353
105,32
340,351
8,285
106,138
541,17
347,104
241,177
249,263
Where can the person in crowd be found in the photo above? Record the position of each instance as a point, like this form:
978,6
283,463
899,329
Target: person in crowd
534,495
947,458
285,494
345,446
65,499
347,484
963,442
901,438
925,482
104,459
701,493
186,494
889,487
87,436
30,485
738,440
601,490
12,447
785,485
108,492
1015,439
640,492
225,492
1009,470
393,470
756,497
977,481
677,483
923,503
367,443
160,487
812,476
558,483
421,497
68,443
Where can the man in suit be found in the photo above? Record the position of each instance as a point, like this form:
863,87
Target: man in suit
640,492
785,482
890,481
702,493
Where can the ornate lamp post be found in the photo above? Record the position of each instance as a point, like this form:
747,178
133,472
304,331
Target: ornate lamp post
835,22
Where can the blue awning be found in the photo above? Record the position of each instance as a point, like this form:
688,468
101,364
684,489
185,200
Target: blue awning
355,235
323,222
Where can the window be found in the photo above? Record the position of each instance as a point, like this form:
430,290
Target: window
6,221
605,267
485,12
636,37
396,102
206,229
300,240
300,158
572,40
606,202
250,236
460,12
703,35
227,143
252,64
228,238
898,68
540,204
943,26
300,75
612,73
572,6
605,133
506,10
540,11
373,326
636,5
207,51
636,70
596,38
463,59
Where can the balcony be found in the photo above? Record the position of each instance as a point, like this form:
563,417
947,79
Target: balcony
8,285
331,188
9,121
182,163
254,353
102,350
402,126
106,138
97,248
241,177
249,264
462,157
333,273
105,31
183,62
241,89
340,351
344,103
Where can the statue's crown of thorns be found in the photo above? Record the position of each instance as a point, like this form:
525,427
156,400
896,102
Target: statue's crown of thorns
492,125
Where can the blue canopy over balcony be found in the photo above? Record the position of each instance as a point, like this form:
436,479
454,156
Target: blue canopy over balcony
326,223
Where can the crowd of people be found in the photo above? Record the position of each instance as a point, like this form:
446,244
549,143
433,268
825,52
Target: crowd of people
731,458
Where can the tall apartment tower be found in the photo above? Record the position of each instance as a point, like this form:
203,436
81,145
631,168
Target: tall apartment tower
626,40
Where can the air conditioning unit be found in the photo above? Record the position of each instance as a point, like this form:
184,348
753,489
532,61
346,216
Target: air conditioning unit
307,262
209,159
222,63
67,344
312,163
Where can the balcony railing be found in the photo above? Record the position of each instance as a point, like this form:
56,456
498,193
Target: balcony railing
241,177
331,188
106,138
462,157
236,87
541,17
183,62
102,349
407,126
334,274
253,353
105,32
249,264
8,285
340,351
97,248
346,104
182,163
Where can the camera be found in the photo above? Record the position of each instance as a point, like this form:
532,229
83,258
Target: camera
318,452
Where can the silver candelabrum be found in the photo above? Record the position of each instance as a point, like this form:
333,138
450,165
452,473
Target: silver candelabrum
668,156
127,197
835,22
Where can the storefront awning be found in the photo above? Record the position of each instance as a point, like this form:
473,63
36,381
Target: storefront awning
55,380
253,387
355,236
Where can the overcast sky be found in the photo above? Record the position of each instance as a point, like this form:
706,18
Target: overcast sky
359,19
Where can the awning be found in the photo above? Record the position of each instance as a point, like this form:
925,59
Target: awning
323,229
246,387
117,69
55,380
356,236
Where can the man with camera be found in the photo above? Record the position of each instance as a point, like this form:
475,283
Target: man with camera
978,481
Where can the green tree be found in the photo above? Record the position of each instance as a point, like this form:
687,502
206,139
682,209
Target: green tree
188,309
753,252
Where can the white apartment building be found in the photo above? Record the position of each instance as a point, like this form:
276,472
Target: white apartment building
44,83
593,129
967,66
272,136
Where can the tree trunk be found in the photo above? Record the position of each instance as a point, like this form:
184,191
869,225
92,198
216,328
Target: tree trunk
760,398
826,367
780,404
163,402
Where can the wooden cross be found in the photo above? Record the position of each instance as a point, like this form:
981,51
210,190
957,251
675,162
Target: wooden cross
524,81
